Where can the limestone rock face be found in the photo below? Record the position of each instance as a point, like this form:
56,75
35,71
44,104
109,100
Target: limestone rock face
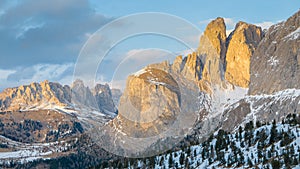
212,51
216,33
275,64
116,95
98,98
48,95
103,96
36,94
149,104
177,65
192,67
82,95
242,42
262,108
158,102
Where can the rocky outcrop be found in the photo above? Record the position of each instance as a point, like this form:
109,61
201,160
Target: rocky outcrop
191,66
212,51
103,96
158,102
49,95
275,64
150,103
228,58
82,96
262,108
116,95
207,65
36,94
242,42
216,34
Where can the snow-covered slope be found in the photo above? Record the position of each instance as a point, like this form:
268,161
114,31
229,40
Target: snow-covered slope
261,108
275,145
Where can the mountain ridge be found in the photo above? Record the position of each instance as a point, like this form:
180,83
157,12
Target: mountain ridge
216,87
47,94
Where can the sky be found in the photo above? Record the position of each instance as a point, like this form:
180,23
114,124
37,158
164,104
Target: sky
42,40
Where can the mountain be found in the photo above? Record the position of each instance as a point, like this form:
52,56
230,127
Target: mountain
166,100
242,42
116,95
274,81
50,119
219,76
104,98
260,145
36,94
50,95
211,108
212,50
275,65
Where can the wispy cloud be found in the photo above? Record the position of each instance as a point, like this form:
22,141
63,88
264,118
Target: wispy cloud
147,55
5,73
24,75
53,32
265,25
115,72
230,22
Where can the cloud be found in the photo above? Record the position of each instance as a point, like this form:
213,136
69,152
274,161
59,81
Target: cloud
5,73
62,73
40,72
147,55
53,32
265,25
116,71
230,22
205,22
186,52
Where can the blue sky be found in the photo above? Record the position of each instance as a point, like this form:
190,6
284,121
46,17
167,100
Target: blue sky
42,39
254,11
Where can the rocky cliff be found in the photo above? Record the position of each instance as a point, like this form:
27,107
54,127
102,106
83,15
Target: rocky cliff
165,103
36,94
275,78
190,67
242,42
82,96
116,95
212,51
218,75
275,65
151,102
50,95
104,99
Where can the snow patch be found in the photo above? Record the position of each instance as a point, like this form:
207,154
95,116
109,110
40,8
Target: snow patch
293,35
138,73
156,82
273,61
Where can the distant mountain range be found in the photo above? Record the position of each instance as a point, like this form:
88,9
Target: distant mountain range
249,76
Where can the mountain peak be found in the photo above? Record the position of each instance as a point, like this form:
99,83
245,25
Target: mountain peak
78,83
242,43
216,33
212,50
45,95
